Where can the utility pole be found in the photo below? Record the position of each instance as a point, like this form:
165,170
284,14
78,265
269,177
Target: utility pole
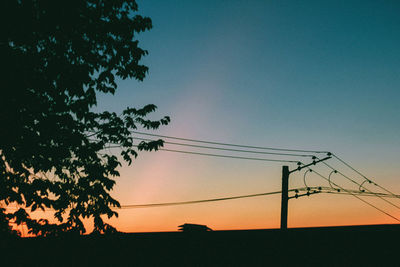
285,189
285,196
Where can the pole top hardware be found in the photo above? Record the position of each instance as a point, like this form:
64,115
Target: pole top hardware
307,165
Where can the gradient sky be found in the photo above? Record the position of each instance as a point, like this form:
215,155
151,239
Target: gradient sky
324,75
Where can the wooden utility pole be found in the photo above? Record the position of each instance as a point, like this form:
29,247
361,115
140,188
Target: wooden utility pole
285,197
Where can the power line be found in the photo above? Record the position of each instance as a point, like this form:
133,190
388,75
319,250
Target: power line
225,156
329,190
366,202
195,201
353,181
366,178
133,206
228,149
358,193
229,144
217,155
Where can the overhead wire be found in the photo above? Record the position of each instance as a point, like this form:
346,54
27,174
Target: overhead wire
330,190
355,182
148,205
366,202
359,193
362,175
225,156
228,149
228,144
196,201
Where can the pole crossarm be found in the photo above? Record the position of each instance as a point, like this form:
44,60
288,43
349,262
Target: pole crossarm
306,194
299,168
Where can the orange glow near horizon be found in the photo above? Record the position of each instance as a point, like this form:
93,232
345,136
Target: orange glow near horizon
240,217
243,214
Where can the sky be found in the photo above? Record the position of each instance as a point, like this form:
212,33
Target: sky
318,75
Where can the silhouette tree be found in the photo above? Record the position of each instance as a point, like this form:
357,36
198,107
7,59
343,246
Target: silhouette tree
53,146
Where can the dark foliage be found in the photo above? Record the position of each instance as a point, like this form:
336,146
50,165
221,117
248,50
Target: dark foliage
55,57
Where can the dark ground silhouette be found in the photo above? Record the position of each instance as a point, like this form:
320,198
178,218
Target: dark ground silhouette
331,246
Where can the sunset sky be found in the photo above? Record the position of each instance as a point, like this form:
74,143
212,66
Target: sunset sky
318,75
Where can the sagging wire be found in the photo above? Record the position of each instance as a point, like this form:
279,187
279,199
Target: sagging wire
228,144
362,175
359,185
304,179
227,149
329,180
366,202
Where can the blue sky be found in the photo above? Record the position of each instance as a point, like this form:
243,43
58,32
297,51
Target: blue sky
321,75
327,68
